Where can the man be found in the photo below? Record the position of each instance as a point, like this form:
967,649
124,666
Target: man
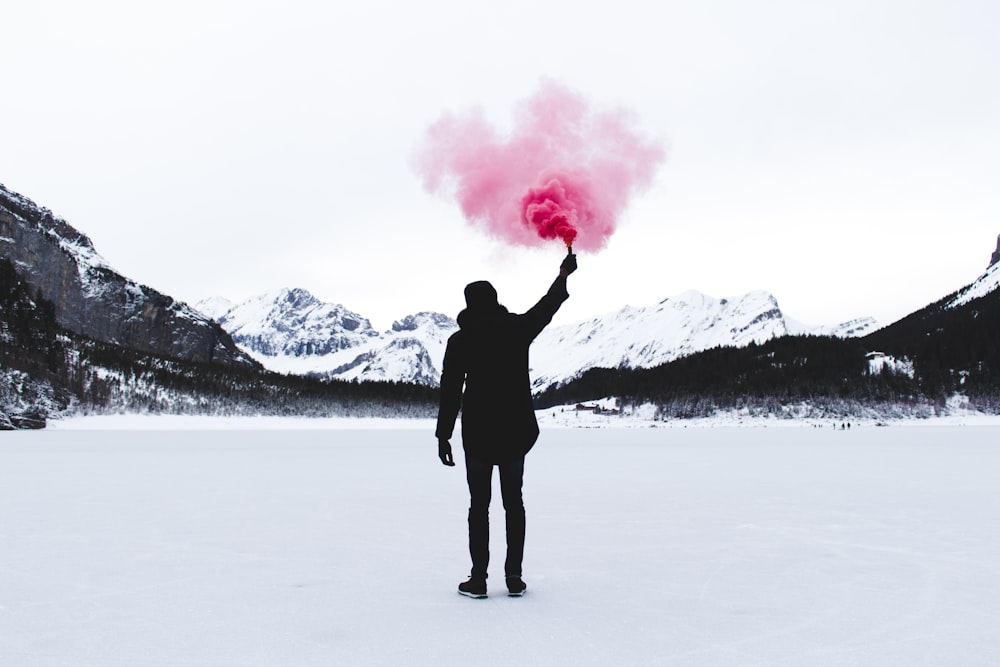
488,355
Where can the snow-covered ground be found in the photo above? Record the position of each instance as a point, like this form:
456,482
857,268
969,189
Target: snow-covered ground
314,542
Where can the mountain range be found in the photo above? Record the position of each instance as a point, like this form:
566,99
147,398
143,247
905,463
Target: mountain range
290,331
75,331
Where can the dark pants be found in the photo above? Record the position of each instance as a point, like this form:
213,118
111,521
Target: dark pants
480,476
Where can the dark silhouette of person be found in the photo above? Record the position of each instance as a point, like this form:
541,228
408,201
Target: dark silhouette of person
488,356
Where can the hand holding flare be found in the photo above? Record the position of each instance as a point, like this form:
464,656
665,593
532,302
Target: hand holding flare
568,265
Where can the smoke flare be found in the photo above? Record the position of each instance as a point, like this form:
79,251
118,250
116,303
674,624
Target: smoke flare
566,171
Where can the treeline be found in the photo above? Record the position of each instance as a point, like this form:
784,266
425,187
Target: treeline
761,379
28,331
949,351
112,379
953,349
32,355
45,370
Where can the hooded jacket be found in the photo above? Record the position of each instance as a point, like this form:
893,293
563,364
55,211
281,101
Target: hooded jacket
488,356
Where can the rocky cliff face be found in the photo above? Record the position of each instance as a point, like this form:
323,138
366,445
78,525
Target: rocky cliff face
995,259
60,264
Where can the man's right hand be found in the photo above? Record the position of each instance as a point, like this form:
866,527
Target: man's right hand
444,452
568,265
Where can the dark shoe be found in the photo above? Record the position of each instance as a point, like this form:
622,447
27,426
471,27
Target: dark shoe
516,587
473,588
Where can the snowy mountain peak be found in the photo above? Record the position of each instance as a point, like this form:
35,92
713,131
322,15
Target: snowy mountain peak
214,307
290,322
297,298
422,319
995,258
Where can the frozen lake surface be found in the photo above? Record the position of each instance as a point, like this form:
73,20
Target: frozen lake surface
225,547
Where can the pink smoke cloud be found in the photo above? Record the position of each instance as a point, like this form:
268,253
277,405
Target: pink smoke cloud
566,171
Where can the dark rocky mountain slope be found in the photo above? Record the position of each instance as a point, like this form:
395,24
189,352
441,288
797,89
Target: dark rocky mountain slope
60,265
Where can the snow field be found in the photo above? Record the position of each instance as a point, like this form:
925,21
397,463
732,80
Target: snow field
710,546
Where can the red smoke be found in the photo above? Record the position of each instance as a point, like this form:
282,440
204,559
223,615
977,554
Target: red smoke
552,211
566,171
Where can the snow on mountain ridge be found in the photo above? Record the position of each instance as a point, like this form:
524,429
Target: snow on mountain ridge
850,329
687,323
982,286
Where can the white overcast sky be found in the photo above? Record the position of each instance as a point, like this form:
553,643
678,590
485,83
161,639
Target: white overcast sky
844,156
